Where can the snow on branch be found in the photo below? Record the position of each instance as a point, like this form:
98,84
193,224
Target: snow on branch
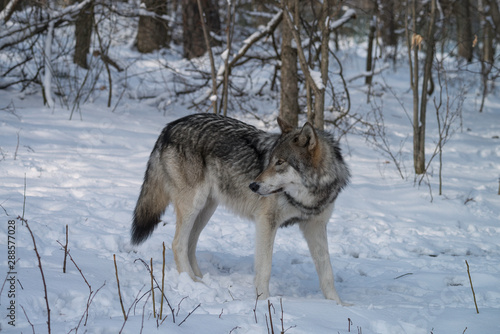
368,73
7,11
247,43
18,33
348,15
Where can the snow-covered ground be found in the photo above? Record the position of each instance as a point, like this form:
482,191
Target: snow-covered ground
398,249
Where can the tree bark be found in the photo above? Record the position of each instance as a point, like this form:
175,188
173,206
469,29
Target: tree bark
369,55
319,101
152,33
413,62
495,14
289,102
83,35
193,40
464,29
429,59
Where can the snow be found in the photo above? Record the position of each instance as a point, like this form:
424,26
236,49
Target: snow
316,76
398,252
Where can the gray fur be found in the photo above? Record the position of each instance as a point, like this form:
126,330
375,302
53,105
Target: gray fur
202,160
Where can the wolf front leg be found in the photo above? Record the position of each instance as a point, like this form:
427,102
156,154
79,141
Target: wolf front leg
264,242
316,237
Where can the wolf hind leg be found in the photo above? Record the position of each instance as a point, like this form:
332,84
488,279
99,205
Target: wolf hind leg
315,234
188,207
199,224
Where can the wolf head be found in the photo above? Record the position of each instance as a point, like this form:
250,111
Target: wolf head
297,155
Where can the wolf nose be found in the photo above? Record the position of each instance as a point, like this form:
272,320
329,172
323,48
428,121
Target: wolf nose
254,186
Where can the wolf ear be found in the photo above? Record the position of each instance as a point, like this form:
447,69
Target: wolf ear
308,137
284,125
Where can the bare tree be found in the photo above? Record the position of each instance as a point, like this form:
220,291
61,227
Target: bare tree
317,80
420,107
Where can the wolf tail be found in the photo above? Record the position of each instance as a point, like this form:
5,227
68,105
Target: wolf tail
153,200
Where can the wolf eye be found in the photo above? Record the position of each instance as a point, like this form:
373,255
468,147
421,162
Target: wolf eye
280,162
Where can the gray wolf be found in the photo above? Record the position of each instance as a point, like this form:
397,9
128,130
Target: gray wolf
276,180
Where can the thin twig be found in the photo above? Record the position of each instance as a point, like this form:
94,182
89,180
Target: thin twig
472,288
152,289
190,314
92,294
255,307
282,327
119,291
39,265
37,255
65,250
158,286
143,311
179,306
17,146
33,327
136,300
162,282
270,316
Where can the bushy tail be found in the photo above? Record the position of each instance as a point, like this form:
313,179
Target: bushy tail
152,201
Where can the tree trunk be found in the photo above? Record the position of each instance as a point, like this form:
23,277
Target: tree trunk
419,114
388,15
488,34
289,103
152,33
193,40
464,29
495,14
319,101
413,62
83,35
369,55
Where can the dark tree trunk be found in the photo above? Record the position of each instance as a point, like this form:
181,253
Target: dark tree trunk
369,55
193,40
464,29
83,35
153,31
388,16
